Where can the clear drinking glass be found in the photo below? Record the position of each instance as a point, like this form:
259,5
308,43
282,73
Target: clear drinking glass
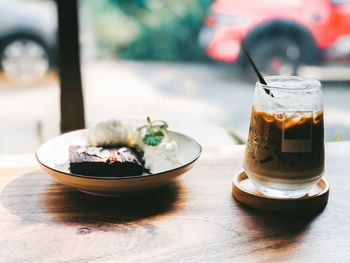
284,154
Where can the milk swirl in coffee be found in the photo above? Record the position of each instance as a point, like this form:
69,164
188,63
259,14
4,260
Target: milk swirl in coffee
285,147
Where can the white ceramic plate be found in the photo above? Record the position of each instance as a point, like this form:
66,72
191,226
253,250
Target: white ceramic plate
53,158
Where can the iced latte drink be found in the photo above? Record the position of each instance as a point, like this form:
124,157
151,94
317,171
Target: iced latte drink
285,149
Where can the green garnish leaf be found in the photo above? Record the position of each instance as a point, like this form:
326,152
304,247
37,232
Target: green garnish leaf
148,120
153,139
154,131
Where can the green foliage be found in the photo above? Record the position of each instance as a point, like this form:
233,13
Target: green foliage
235,136
338,137
111,27
149,29
154,131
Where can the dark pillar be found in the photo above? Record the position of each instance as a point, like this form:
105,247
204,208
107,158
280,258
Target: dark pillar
71,99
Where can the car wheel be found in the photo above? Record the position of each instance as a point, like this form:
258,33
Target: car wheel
277,56
24,60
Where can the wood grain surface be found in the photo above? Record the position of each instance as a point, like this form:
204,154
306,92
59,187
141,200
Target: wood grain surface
194,219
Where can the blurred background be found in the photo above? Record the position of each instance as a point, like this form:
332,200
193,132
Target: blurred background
179,61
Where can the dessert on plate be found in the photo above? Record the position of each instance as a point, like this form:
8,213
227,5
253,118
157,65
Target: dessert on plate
104,161
113,149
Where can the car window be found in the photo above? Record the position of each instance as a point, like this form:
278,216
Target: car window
340,2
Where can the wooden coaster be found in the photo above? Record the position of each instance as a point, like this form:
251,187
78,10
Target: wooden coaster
244,192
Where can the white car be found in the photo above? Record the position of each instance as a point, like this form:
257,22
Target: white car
27,39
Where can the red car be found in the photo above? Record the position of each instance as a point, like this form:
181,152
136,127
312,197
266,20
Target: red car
280,35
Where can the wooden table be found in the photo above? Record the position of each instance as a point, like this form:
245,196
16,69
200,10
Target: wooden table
194,219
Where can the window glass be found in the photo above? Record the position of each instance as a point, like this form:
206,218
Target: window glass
179,61
28,81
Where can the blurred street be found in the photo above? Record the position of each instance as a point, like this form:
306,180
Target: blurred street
195,99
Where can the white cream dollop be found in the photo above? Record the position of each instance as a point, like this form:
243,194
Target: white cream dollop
161,157
109,132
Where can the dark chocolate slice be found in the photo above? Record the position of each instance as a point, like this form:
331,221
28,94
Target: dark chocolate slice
121,161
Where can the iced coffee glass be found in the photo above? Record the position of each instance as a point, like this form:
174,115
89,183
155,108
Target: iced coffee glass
284,154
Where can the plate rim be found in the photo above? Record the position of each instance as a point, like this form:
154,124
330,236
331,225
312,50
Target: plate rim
122,177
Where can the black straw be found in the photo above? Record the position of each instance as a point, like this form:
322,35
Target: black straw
260,77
